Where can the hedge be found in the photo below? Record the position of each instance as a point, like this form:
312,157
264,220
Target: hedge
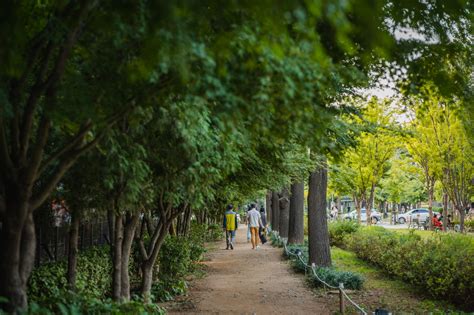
442,266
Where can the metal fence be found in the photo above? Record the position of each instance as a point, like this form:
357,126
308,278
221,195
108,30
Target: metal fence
52,242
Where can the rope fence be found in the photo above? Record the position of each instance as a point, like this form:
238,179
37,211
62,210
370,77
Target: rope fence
342,293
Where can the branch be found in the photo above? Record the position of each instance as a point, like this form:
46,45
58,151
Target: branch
75,141
41,197
37,155
6,164
50,83
31,104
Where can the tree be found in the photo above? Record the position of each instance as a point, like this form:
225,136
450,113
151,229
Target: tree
318,238
284,207
367,162
296,222
438,126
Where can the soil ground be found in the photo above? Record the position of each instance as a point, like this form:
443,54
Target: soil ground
246,281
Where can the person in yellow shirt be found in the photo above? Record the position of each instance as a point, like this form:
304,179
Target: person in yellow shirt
230,225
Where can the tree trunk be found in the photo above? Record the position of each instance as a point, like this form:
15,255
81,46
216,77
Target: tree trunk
149,262
275,211
319,250
284,206
368,210
296,225
268,206
147,280
117,258
73,249
128,235
430,205
16,231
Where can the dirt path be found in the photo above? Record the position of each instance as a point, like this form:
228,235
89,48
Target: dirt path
246,281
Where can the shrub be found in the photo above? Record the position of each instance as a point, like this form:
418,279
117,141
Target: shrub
214,233
175,258
339,230
164,291
333,277
65,302
442,266
275,240
93,278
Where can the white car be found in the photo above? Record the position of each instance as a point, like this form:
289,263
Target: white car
374,214
421,214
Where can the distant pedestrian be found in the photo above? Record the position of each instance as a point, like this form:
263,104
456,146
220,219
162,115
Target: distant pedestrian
262,229
255,221
230,226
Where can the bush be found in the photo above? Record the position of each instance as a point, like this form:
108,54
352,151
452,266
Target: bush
65,302
166,290
333,277
175,258
442,266
339,230
214,233
93,278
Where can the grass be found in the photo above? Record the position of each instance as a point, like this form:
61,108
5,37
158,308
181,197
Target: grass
382,292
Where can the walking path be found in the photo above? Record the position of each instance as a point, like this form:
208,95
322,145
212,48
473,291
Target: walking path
246,281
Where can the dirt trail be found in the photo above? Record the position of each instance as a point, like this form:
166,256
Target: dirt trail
246,281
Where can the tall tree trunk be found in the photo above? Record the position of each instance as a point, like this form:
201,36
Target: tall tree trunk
357,203
73,250
296,225
149,262
319,249
368,210
275,211
12,273
268,206
117,258
128,235
284,207
430,204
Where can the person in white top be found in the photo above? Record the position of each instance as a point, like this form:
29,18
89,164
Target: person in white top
255,221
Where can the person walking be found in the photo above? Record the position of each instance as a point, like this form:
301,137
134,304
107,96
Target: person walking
255,221
230,225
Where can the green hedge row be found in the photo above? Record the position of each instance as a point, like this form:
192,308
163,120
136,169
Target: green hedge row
443,266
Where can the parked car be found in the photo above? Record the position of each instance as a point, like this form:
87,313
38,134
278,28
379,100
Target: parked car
421,214
374,214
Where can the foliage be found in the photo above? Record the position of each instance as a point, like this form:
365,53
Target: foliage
331,276
166,290
360,169
339,230
175,258
66,302
442,266
93,277
214,233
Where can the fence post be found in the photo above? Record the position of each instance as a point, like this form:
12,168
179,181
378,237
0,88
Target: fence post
342,306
